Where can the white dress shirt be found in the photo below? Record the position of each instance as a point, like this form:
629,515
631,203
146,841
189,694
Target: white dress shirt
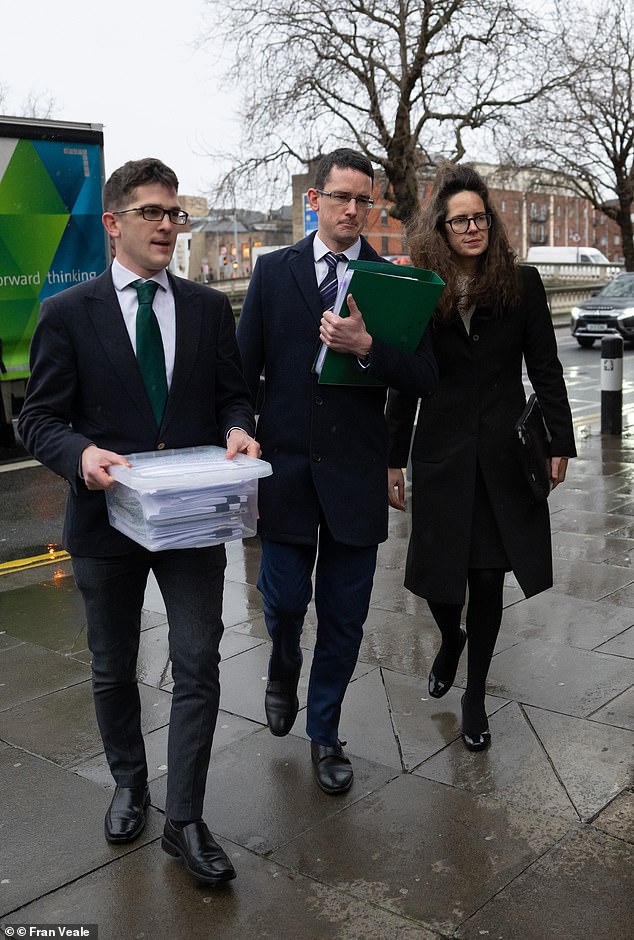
321,267
163,306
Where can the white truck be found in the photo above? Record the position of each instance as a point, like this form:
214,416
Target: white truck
51,236
558,254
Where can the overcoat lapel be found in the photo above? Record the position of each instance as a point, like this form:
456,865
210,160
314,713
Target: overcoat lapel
302,268
105,315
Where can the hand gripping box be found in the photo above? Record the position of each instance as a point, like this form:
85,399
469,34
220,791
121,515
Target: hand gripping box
185,498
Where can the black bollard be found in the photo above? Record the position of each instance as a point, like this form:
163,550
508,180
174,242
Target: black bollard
611,384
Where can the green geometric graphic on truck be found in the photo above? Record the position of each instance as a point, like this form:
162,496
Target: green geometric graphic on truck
26,186
50,233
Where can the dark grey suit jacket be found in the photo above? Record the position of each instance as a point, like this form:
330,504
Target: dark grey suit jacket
86,387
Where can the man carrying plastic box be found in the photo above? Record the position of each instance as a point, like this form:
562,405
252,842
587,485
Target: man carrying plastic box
138,360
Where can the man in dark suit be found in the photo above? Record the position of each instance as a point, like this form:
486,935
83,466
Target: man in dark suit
327,499
88,403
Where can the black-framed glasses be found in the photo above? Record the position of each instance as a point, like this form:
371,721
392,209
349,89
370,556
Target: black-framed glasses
460,224
157,214
343,199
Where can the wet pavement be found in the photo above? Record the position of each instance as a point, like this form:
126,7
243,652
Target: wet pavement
531,840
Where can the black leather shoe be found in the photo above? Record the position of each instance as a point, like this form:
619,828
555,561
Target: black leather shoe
439,686
332,769
125,819
202,856
475,740
281,706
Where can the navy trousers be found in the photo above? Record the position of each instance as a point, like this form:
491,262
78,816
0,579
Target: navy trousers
191,582
343,585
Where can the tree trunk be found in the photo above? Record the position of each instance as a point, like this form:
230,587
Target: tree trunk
401,169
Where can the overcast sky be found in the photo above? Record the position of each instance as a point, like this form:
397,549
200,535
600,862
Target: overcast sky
132,66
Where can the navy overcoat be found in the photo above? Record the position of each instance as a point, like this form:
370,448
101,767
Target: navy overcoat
327,444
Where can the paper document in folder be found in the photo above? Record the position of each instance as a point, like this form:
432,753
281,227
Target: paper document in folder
396,302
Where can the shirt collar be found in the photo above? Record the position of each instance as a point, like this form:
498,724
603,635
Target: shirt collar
351,253
122,277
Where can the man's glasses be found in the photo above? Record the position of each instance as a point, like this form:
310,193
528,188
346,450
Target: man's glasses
460,225
343,199
157,214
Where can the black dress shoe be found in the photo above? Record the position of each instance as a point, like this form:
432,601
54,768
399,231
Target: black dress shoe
202,856
281,706
440,685
475,740
125,819
332,769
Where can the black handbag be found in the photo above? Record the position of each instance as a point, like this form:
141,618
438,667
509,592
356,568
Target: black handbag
533,440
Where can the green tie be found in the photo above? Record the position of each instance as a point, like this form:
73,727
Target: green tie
149,348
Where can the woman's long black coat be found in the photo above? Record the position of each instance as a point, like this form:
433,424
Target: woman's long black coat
469,421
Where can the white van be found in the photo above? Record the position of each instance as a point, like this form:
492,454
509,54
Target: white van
579,254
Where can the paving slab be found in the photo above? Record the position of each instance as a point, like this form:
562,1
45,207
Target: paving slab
575,546
516,768
52,828
619,712
556,676
64,620
617,819
624,597
148,895
240,602
593,761
404,642
261,793
423,725
368,716
423,850
588,580
229,729
62,727
564,618
51,614
582,888
28,671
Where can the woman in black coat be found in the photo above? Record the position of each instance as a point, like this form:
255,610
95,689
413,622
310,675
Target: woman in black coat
473,515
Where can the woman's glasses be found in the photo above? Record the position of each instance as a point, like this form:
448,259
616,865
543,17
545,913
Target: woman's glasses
460,225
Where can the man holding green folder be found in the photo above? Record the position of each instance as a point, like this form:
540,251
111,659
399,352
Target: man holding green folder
326,502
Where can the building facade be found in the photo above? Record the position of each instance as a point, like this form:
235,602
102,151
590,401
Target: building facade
534,206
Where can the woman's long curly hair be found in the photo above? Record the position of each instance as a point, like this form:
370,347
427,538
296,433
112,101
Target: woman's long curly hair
496,284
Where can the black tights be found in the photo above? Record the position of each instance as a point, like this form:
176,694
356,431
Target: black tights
484,616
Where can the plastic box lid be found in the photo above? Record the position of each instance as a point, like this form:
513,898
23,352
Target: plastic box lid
187,467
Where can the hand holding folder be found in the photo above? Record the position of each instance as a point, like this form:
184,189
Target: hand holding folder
396,302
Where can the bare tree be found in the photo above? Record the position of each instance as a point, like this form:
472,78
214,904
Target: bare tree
404,81
38,105
35,105
585,128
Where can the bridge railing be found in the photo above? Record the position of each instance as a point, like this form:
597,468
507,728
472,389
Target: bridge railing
577,272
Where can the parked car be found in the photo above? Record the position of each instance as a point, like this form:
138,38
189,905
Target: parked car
610,311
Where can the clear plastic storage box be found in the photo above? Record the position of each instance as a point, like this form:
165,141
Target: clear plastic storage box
186,498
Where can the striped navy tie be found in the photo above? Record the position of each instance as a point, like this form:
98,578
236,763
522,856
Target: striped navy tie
329,285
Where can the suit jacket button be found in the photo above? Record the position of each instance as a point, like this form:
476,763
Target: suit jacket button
318,400
475,337
316,458
160,446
